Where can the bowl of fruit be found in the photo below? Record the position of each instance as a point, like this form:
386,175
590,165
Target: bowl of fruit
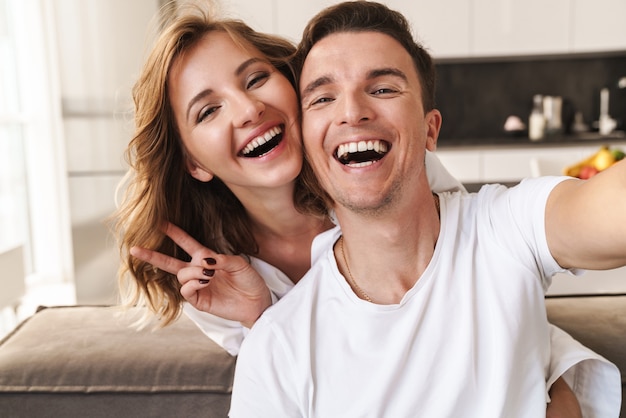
599,161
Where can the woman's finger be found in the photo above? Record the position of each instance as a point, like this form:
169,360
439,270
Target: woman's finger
164,262
194,273
190,290
232,264
184,240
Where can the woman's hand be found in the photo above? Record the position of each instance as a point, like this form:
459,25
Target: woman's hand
223,285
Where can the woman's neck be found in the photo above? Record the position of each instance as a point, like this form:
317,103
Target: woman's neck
284,235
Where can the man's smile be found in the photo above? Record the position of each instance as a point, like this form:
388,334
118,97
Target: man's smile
361,153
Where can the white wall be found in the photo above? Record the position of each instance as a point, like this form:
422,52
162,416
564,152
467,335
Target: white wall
101,48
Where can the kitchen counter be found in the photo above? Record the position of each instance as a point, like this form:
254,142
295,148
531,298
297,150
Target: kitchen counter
512,141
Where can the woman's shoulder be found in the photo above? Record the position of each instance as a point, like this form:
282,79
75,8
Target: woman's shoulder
277,281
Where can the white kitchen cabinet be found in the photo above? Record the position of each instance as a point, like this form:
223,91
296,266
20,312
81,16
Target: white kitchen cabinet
512,164
445,34
443,26
599,25
479,28
463,164
505,165
509,27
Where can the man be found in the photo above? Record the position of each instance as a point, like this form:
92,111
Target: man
424,305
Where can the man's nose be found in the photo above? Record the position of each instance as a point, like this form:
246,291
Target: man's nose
354,109
247,109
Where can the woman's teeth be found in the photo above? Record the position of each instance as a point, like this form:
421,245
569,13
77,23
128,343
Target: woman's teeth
257,142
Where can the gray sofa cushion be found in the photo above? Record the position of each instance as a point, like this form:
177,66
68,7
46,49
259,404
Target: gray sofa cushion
89,361
86,361
599,322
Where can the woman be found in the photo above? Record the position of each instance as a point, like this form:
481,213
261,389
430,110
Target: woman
216,151
257,212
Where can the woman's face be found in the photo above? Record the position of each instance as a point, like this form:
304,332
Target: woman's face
237,116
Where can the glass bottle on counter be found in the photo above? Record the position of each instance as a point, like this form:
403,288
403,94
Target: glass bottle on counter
537,120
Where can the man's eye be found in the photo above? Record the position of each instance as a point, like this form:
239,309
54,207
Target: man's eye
257,79
321,100
383,90
206,112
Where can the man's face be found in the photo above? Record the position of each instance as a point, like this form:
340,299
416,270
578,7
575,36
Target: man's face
364,126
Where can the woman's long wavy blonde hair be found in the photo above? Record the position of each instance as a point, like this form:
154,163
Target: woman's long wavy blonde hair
158,187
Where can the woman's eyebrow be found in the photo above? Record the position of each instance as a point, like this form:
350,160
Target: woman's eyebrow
204,93
242,67
196,98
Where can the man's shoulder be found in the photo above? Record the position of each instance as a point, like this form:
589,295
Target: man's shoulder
303,295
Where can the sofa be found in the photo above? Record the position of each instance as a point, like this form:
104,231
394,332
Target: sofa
90,361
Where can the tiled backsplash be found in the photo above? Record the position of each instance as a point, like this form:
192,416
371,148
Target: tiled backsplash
476,96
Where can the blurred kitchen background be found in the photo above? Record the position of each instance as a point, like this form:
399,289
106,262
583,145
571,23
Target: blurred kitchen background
67,68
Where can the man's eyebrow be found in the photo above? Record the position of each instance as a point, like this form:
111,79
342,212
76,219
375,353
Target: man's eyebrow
380,72
204,93
318,82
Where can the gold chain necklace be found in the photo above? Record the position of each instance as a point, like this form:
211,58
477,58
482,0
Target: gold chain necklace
345,259
356,287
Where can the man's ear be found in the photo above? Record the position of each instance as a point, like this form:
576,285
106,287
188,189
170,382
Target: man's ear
433,126
197,172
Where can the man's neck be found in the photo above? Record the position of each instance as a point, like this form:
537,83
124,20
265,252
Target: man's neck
386,254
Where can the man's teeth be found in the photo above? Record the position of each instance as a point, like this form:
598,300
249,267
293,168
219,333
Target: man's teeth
261,139
344,151
363,164
361,146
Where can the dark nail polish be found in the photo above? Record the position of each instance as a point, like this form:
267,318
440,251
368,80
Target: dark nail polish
208,272
203,281
210,261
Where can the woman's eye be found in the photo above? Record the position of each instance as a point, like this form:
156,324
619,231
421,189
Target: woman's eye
257,79
206,112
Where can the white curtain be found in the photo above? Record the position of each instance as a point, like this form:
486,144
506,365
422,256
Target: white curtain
34,209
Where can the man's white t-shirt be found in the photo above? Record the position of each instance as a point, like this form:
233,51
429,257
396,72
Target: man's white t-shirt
470,339
230,334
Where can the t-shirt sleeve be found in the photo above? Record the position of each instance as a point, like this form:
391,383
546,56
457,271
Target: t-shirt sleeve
517,217
596,382
226,333
263,385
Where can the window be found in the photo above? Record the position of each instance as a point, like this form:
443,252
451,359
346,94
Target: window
35,235
13,198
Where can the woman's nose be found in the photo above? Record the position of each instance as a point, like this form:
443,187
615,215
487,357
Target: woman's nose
247,110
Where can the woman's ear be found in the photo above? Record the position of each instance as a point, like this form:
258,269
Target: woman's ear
197,172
